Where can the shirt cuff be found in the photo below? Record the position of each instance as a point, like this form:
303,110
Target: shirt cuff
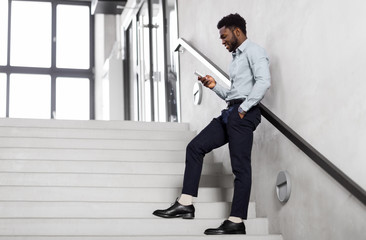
216,88
219,90
241,110
244,106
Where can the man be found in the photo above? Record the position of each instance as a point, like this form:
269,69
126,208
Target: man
250,79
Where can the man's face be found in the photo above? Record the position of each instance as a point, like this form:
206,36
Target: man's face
229,40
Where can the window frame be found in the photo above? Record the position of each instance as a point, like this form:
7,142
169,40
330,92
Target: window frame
53,71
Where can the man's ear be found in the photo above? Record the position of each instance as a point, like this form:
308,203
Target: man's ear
237,32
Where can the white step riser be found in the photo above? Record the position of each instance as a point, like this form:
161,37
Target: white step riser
107,210
95,134
107,180
93,144
77,194
105,227
94,155
130,125
169,237
102,167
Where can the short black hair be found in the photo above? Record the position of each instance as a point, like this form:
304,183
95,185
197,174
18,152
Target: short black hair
233,20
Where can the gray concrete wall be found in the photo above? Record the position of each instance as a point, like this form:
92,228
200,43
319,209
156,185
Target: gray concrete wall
317,54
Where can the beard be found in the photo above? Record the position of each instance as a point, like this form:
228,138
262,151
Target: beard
233,44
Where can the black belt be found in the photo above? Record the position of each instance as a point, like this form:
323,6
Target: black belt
234,101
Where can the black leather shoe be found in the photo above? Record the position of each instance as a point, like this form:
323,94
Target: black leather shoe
177,210
227,227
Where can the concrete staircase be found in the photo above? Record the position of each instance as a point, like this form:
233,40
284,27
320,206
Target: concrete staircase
102,180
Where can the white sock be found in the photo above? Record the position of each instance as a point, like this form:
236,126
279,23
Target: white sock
235,219
185,199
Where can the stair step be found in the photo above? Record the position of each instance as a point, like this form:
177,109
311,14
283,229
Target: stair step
92,194
167,237
95,133
92,143
107,210
107,180
118,226
47,166
65,179
93,154
93,124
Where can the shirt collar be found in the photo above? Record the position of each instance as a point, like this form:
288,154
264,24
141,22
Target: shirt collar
241,48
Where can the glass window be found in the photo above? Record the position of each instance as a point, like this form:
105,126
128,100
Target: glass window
3,32
72,98
31,25
2,95
30,96
72,49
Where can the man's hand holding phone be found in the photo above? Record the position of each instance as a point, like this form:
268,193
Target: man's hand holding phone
207,80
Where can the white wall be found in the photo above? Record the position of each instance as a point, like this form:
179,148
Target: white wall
112,87
108,74
99,62
317,65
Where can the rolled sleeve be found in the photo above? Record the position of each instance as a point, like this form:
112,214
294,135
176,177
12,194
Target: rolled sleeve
262,78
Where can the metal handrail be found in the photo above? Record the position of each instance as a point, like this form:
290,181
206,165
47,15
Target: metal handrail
295,138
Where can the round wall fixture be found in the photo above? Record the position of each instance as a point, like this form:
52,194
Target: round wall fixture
283,186
197,93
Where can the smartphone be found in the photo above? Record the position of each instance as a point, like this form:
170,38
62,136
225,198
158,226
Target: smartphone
198,74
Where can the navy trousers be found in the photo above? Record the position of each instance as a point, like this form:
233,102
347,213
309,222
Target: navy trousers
227,128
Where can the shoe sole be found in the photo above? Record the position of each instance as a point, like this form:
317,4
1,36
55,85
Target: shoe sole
184,216
226,233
